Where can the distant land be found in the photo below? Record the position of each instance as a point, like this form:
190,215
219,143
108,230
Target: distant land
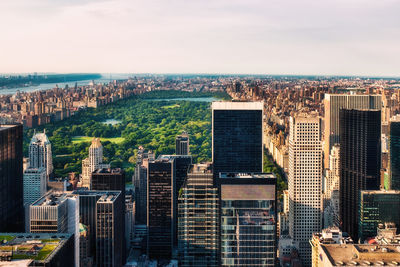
19,80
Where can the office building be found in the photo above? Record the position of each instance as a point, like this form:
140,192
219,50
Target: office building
109,180
11,179
140,184
333,103
56,212
182,144
377,207
237,137
102,213
160,208
357,255
92,163
247,219
40,155
360,157
305,181
394,158
40,249
198,219
35,184
331,235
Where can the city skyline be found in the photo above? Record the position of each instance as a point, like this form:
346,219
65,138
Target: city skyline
256,37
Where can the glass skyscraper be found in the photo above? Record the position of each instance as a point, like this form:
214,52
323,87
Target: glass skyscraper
198,219
237,137
377,207
394,147
247,219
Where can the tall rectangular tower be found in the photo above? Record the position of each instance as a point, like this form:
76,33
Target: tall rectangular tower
333,103
360,162
305,181
160,208
237,137
394,159
247,219
182,144
11,179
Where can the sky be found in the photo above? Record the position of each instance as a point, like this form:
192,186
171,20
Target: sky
298,37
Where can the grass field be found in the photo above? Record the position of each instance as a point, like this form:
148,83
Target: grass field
172,106
6,237
79,139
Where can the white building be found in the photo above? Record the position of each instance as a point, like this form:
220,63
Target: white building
40,153
305,181
35,184
92,163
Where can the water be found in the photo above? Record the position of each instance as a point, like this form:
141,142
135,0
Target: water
193,99
111,121
47,86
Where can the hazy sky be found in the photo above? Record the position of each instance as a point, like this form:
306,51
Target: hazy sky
352,37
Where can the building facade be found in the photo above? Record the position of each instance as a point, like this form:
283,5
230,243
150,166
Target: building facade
40,155
160,208
394,158
198,219
237,137
11,179
305,181
377,207
333,103
35,184
92,163
360,162
247,219
182,144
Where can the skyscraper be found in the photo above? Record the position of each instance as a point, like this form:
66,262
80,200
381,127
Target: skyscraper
40,155
237,137
198,219
109,180
305,181
394,159
102,212
360,162
182,144
93,162
377,207
333,103
11,179
160,208
247,219
140,183
35,184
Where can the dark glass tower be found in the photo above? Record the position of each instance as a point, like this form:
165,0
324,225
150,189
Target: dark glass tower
182,144
394,146
237,137
11,179
160,208
377,207
109,179
360,162
247,219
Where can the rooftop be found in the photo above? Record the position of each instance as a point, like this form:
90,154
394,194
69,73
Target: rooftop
51,199
108,170
360,254
30,246
246,175
221,105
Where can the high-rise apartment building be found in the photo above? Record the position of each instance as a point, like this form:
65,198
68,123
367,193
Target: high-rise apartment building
333,103
182,144
11,179
360,162
40,155
247,219
237,137
305,181
35,184
394,158
92,163
377,207
198,219
160,208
